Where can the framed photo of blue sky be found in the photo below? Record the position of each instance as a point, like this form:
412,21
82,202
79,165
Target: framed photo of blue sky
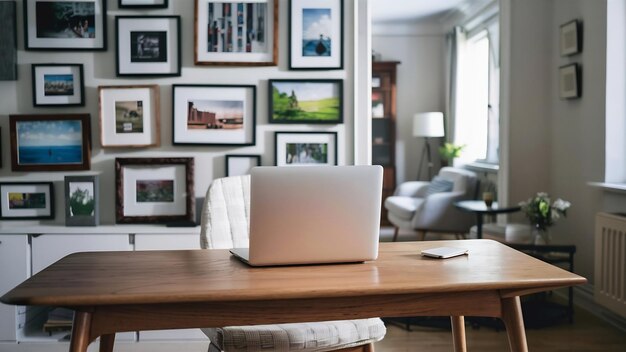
65,25
315,34
58,85
305,148
50,142
26,200
306,101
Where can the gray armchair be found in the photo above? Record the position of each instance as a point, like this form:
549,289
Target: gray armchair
429,206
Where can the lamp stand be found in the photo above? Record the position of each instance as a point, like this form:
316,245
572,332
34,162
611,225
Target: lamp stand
425,152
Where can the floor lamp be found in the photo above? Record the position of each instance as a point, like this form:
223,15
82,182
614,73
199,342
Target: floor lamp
427,125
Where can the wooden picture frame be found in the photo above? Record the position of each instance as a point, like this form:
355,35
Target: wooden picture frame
142,4
154,190
8,41
253,42
316,35
58,85
240,164
81,201
67,144
85,30
129,116
310,101
217,115
570,38
570,85
147,46
26,200
305,148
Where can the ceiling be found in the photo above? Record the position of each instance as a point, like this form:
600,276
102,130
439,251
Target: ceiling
410,10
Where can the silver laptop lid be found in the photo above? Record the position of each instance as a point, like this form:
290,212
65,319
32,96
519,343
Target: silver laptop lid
314,214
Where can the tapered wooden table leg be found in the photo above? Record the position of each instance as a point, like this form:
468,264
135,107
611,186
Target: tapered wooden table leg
514,322
107,342
458,333
80,332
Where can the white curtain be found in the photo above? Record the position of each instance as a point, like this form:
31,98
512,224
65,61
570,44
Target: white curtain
455,43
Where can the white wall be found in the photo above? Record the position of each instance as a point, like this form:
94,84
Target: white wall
99,69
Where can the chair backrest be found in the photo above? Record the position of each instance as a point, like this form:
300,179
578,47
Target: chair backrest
464,180
226,214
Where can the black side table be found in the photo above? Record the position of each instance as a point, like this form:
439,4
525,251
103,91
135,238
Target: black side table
479,208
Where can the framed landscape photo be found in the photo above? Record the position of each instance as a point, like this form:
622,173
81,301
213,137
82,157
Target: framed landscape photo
236,32
570,38
214,114
26,200
65,25
81,201
569,82
306,101
50,142
150,190
58,85
129,116
315,34
147,45
237,165
305,148
142,4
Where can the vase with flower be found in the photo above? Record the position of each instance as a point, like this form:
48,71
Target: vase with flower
542,214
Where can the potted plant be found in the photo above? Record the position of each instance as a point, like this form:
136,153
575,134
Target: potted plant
450,151
542,214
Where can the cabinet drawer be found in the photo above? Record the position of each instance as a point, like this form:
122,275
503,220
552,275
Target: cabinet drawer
163,335
149,242
14,268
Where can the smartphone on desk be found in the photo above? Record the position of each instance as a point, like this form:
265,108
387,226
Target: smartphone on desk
444,252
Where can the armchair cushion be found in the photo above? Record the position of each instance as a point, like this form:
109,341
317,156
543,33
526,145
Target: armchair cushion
439,185
403,207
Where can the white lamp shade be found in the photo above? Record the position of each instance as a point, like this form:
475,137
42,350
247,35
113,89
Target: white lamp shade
428,124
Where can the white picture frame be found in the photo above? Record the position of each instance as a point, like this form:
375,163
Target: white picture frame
570,38
570,82
305,148
26,200
238,165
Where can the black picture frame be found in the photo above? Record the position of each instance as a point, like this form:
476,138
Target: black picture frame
231,167
121,5
571,38
570,81
136,61
24,211
41,96
282,138
81,200
289,112
8,41
36,24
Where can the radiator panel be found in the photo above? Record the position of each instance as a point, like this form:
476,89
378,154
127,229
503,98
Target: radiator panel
610,262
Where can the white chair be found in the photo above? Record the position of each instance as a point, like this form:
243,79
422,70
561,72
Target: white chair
225,222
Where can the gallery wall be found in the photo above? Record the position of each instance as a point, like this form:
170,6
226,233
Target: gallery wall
99,69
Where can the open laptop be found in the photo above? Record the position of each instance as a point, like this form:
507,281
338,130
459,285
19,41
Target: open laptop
313,215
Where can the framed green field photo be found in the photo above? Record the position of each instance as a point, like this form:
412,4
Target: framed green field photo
317,101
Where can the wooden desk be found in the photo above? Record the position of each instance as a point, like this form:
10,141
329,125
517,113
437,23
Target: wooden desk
133,291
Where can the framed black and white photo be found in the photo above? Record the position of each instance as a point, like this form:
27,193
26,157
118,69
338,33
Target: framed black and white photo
81,201
8,41
315,34
237,165
154,190
570,82
26,200
571,38
214,114
316,101
65,25
305,148
148,45
129,116
142,4
236,33
58,85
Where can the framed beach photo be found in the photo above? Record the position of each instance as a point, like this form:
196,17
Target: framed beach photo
26,200
305,148
81,201
50,142
142,4
306,101
58,85
65,25
147,45
237,165
236,32
315,34
214,114
129,116
570,82
150,190
570,38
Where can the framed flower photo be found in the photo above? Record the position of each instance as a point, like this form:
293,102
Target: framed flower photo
316,34
50,142
219,115
26,200
142,4
570,40
569,82
237,165
154,190
147,45
81,201
58,85
129,116
317,101
65,25
236,33
305,148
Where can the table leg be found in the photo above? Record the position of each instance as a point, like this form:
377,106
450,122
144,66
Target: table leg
107,342
458,333
80,332
479,225
514,322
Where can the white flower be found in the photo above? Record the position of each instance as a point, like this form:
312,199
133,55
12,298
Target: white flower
561,204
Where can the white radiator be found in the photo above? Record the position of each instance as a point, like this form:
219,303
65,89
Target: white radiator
610,262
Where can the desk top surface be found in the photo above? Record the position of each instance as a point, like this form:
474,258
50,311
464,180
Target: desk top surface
141,277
